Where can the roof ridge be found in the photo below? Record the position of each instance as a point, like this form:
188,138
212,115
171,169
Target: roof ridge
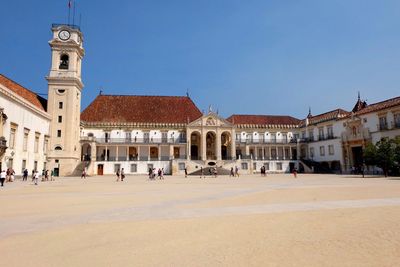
175,96
333,110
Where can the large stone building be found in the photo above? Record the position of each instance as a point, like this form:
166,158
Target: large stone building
170,132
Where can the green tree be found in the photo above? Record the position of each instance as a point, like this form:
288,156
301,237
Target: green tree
370,154
385,154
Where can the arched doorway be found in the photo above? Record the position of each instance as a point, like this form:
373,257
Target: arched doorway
195,140
86,152
210,146
226,143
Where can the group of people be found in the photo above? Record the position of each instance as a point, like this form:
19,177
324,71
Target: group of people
8,176
153,173
234,172
120,175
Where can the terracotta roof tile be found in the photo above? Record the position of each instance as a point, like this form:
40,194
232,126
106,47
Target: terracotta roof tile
327,116
23,92
263,120
380,106
141,109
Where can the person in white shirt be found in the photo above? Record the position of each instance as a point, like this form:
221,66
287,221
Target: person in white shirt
37,176
2,177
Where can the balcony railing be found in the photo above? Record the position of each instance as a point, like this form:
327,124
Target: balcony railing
141,158
141,140
267,141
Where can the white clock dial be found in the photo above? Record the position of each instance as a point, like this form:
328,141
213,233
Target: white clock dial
64,35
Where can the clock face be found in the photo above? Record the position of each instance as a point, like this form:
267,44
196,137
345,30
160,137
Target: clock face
64,35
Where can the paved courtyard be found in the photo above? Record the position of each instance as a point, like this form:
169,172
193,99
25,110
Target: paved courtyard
314,220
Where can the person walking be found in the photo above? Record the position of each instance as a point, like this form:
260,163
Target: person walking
122,174
36,177
2,177
25,175
33,175
118,175
295,172
162,173
159,174
52,175
236,171
201,172
46,175
83,176
185,172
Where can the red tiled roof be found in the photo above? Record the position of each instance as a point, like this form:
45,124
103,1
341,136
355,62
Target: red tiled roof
263,120
327,116
141,109
28,95
380,106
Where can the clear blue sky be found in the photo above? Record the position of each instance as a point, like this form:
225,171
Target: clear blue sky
243,57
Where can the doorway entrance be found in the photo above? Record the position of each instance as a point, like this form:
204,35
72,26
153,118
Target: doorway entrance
100,168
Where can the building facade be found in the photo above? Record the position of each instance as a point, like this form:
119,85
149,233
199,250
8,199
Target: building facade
139,133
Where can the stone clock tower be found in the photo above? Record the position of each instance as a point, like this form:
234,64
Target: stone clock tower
64,98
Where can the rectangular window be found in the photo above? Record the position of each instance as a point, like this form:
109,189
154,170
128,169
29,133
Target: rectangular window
278,166
13,133
117,167
146,137
330,132
238,137
311,135
36,147
59,119
266,165
382,123
23,166
26,137
45,145
322,150
150,166
133,168
311,152
244,166
321,133
303,134
181,166
254,166
331,150
60,105
164,137
273,137
58,133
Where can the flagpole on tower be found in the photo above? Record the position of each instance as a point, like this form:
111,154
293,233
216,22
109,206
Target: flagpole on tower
69,11
73,13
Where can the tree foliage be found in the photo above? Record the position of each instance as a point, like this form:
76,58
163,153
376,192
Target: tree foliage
385,154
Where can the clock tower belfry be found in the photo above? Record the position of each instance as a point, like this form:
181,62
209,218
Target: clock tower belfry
64,98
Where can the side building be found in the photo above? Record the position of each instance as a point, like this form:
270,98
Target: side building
25,128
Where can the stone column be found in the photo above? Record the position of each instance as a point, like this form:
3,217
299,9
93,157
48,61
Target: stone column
233,144
127,153
203,147
188,145
218,145
116,154
171,151
106,154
